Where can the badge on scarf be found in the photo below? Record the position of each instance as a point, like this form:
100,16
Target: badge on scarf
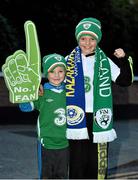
104,117
22,70
75,115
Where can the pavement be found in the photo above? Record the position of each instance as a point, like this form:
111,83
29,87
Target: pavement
18,151
123,152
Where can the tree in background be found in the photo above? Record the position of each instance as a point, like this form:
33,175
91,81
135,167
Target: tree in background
56,22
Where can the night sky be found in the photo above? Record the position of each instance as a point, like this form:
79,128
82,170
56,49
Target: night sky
55,23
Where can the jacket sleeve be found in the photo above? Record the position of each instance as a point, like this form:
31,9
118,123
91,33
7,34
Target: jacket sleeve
26,107
126,75
31,106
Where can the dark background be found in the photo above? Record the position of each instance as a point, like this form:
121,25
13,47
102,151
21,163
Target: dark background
55,22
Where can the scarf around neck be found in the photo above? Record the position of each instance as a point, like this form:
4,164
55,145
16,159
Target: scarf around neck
102,103
51,86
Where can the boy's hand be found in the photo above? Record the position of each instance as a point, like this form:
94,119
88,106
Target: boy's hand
41,90
22,71
119,53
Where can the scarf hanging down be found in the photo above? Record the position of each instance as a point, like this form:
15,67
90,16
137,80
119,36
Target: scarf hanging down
75,92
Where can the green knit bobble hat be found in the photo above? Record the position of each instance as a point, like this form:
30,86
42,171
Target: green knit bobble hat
89,26
51,61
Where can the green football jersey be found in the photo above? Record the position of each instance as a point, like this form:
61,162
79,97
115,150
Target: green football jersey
51,124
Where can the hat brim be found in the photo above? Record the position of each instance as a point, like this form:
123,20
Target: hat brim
51,68
87,33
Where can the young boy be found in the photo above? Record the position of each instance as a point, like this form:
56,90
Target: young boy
51,125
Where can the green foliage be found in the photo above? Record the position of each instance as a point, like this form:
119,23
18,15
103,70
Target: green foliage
56,21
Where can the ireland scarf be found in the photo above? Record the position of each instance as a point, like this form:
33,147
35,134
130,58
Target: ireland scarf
75,92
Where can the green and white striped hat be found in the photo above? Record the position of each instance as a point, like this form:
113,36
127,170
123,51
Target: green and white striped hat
51,61
89,27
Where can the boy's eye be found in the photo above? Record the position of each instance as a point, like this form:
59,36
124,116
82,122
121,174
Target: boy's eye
82,39
92,38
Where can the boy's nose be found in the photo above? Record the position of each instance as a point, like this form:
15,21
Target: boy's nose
87,41
56,74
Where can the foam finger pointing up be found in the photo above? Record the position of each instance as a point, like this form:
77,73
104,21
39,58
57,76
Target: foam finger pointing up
32,45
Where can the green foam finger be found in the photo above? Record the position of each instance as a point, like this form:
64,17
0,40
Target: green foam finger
14,71
32,46
18,53
10,81
21,60
22,70
8,59
24,67
11,68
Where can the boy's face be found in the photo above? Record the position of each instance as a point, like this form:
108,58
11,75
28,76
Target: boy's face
56,76
87,44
